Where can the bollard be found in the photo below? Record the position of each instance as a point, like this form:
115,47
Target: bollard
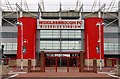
29,65
81,68
42,62
95,65
56,64
68,65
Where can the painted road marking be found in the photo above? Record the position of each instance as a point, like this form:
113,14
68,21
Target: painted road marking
17,72
11,76
105,72
114,76
110,74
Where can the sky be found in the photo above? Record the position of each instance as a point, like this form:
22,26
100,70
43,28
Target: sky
51,5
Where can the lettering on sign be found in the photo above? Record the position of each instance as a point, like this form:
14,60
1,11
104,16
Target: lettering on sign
60,24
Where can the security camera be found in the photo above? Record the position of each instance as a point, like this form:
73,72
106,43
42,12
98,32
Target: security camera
98,24
103,23
19,24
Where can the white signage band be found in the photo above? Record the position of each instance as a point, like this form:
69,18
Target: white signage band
60,24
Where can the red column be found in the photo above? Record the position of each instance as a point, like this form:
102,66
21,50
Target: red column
29,37
92,37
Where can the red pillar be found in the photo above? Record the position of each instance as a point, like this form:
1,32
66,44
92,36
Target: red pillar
92,37
29,37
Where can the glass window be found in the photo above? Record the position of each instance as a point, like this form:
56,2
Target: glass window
110,35
116,46
14,46
9,46
71,45
111,46
49,45
52,40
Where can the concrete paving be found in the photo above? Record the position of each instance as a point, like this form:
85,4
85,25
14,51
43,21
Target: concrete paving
64,75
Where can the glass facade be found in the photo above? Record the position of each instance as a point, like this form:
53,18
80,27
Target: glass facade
111,47
10,46
9,34
69,40
111,35
60,40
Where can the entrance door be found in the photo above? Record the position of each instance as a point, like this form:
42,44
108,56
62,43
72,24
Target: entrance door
62,64
50,64
74,64
56,64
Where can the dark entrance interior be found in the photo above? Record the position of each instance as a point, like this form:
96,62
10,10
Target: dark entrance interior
62,63
51,61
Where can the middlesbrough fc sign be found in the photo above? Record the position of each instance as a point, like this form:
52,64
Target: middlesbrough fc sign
60,24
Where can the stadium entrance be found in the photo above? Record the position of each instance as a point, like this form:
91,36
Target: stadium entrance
60,36
65,62
61,41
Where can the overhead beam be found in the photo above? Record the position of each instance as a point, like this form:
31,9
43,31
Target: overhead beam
9,5
18,6
80,14
94,5
25,3
9,22
102,7
81,8
39,7
39,11
20,9
43,5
